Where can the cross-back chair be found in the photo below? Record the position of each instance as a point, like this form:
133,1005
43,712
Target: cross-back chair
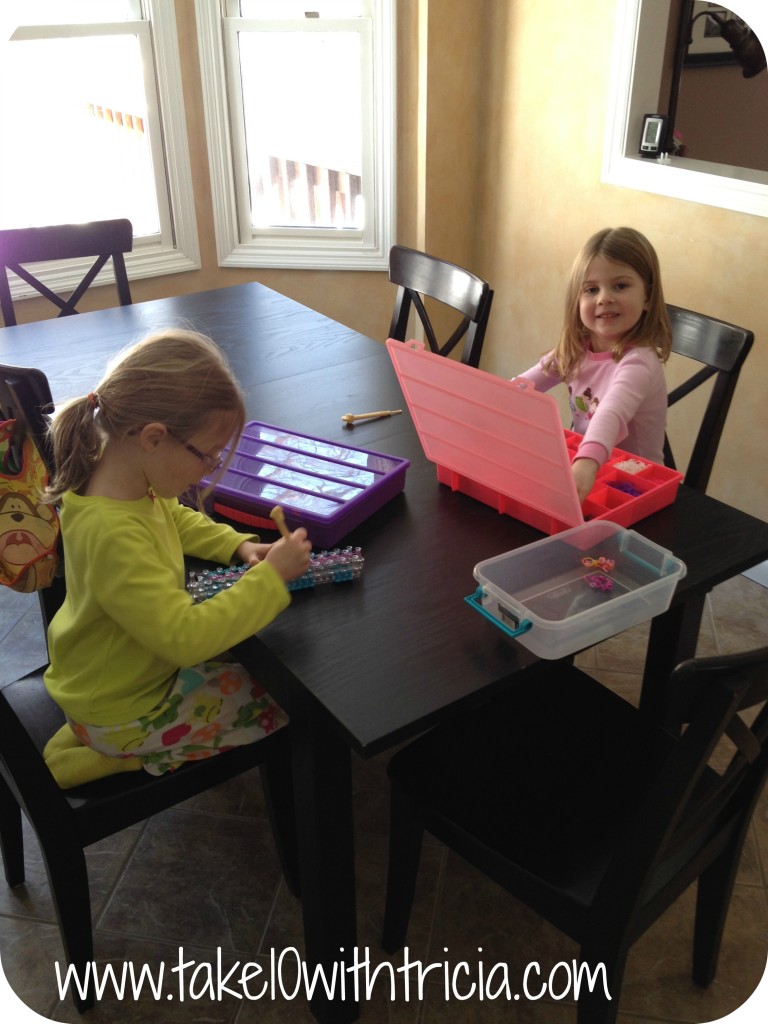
66,822
419,275
721,348
102,240
588,811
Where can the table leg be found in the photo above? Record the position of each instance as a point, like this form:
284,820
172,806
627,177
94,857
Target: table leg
323,790
673,638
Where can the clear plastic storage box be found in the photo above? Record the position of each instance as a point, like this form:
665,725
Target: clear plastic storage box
569,591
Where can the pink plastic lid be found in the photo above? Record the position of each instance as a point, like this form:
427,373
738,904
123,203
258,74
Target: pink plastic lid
501,433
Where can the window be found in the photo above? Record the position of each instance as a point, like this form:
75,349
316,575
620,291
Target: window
299,114
97,130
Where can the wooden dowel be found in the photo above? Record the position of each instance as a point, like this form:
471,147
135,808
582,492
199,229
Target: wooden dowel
352,417
278,518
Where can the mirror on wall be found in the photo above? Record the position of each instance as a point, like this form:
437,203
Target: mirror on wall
721,157
718,98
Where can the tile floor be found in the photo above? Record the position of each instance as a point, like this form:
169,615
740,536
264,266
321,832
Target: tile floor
204,877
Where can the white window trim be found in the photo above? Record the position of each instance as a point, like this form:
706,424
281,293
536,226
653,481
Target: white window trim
151,256
298,251
184,252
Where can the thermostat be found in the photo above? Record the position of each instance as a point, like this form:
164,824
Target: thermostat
654,134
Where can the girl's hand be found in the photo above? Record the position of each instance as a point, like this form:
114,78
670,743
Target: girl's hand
251,553
584,473
290,556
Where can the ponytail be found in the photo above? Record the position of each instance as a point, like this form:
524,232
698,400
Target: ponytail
77,444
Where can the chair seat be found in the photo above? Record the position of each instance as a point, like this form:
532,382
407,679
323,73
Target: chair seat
532,813
115,802
587,810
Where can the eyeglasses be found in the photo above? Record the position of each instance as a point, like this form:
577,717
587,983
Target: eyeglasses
211,462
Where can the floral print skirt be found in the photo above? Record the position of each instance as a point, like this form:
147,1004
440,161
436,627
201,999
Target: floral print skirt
208,709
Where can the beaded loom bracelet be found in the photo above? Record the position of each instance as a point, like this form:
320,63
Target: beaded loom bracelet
337,566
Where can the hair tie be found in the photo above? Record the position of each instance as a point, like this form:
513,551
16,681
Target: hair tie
93,399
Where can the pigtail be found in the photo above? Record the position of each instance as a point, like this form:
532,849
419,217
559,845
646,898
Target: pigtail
77,444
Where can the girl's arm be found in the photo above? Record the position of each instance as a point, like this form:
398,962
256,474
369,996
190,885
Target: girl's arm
541,379
584,473
201,537
635,386
144,596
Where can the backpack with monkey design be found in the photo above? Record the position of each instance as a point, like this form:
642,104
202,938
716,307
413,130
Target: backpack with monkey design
29,527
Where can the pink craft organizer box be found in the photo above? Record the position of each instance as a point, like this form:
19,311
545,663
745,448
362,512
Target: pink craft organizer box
503,443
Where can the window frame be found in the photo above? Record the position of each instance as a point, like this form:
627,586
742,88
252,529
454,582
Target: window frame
176,248
239,245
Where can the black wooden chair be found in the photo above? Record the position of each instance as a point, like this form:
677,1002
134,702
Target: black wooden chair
589,812
103,240
419,275
68,821
721,348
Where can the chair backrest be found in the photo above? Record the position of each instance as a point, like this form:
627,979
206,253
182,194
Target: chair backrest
103,240
25,396
417,275
721,348
699,805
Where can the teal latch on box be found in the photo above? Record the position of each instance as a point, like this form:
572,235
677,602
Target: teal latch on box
476,601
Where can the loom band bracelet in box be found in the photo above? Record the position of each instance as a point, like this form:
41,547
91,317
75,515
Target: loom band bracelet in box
599,581
601,562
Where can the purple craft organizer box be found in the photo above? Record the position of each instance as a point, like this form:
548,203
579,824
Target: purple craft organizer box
326,487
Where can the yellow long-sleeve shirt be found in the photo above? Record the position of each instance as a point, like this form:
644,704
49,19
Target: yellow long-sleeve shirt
127,623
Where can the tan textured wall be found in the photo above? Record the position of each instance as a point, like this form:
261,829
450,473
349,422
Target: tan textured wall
501,119
548,73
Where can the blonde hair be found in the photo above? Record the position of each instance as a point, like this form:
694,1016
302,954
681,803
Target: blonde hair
176,377
619,245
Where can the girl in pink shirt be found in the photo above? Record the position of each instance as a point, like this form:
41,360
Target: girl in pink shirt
615,339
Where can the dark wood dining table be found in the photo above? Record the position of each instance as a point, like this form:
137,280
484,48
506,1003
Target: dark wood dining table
365,666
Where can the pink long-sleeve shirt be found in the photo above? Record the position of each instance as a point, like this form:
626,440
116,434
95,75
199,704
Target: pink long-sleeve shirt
614,404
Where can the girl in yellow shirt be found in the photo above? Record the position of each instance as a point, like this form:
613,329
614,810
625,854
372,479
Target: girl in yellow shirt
135,664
